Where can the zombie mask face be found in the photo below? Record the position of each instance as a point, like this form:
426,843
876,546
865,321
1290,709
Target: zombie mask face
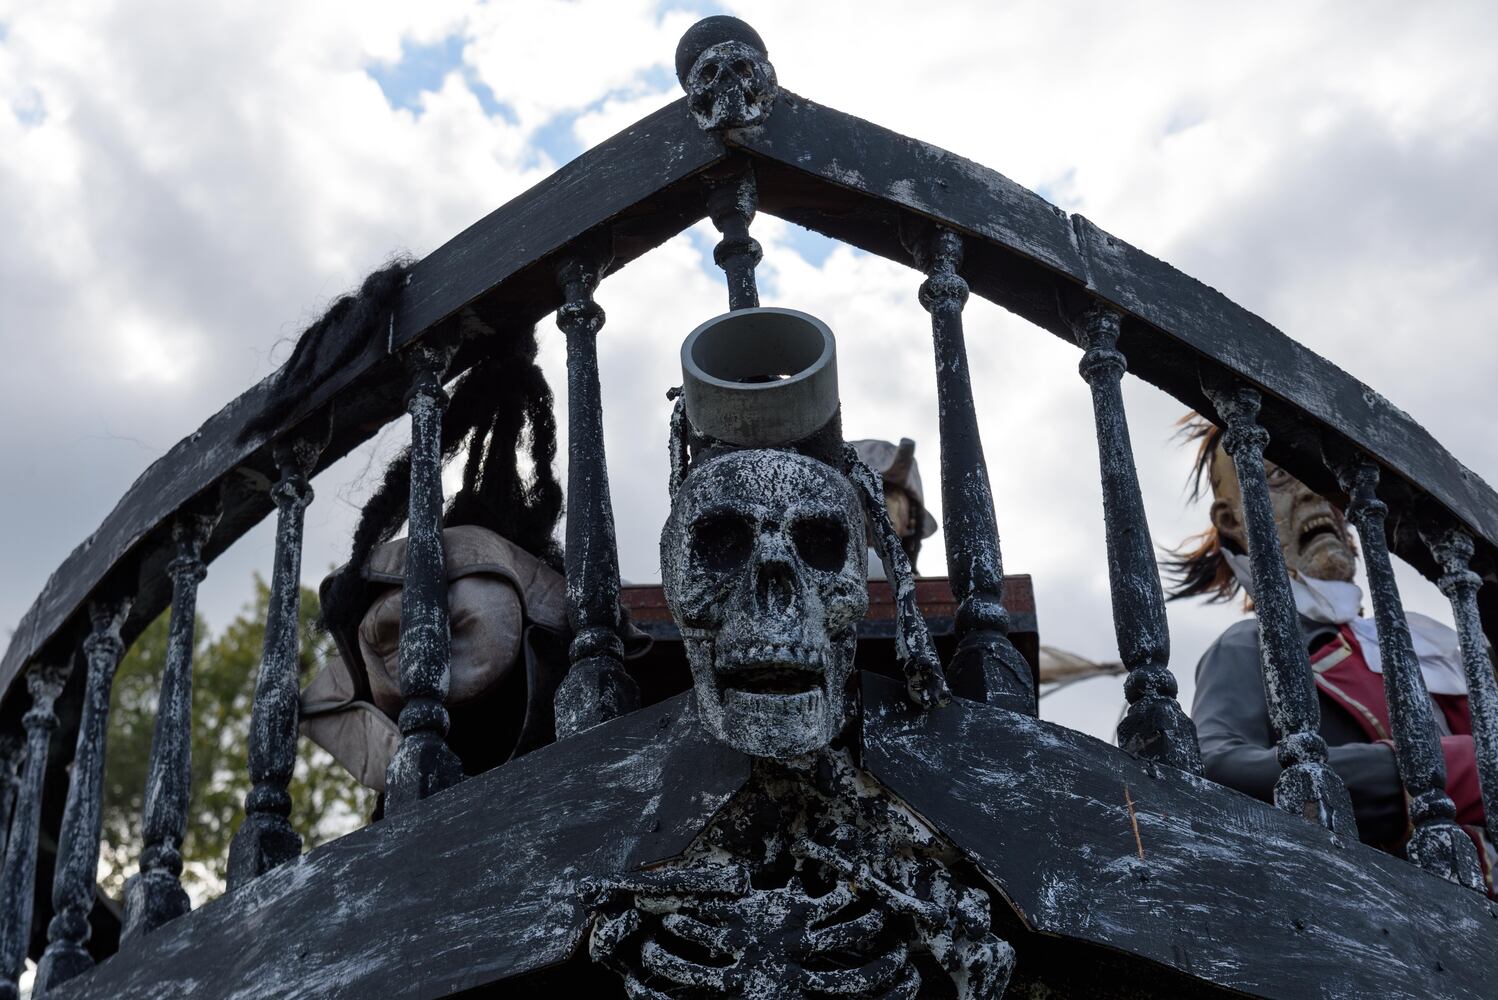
765,572
1313,533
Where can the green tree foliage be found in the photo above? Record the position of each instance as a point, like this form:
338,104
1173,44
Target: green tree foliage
326,801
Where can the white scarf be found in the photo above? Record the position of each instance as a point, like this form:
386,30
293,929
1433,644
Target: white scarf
1338,602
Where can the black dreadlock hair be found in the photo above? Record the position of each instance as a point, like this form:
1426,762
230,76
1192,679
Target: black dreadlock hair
499,405
350,323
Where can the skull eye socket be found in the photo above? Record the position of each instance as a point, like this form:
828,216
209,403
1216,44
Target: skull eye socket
722,540
821,542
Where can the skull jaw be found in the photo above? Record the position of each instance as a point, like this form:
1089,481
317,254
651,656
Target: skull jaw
778,726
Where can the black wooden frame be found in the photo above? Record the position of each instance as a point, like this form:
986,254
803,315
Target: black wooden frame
855,182
505,854
828,171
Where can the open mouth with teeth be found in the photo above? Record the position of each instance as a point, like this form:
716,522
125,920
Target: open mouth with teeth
1317,529
780,670
771,699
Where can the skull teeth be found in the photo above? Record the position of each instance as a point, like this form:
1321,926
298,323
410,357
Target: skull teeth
771,668
772,654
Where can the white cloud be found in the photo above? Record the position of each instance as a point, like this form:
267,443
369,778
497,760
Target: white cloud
543,58
184,186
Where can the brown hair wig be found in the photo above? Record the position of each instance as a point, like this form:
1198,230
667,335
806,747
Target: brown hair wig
1196,567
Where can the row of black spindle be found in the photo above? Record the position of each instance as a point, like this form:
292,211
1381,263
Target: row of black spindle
1307,785
1155,727
422,765
597,687
155,895
986,665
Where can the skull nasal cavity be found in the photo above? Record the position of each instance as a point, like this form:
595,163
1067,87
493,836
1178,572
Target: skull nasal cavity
775,586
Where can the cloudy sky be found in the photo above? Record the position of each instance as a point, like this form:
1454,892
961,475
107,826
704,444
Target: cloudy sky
184,186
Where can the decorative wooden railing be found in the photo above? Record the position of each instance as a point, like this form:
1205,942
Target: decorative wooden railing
968,230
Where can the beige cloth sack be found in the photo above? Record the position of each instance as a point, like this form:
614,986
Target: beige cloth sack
495,588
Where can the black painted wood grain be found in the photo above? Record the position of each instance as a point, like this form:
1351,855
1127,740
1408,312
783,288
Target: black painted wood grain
873,161
478,884
1228,889
623,176
474,884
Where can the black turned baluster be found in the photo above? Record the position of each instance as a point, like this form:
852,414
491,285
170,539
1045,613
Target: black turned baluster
423,763
12,755
1453,549
78,845
1307,786
155,895
266,838
596,688
986,666
1436,843
732,200
18,879
1154,725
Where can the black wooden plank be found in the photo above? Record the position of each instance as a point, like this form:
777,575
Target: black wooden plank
191,466
1228,890
610,179
478,884
131,546
620,181
866,158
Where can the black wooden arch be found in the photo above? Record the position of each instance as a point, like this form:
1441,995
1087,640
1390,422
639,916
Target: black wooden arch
857,183
871,188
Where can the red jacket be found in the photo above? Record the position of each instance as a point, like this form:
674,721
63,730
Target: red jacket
1342,674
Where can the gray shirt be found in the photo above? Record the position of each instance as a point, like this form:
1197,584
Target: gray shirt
1232,723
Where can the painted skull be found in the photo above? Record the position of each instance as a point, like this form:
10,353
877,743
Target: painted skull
730,86
765,572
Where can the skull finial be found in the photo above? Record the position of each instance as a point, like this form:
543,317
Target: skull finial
723,66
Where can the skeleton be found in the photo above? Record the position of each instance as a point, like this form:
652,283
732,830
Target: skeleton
811,883
731,85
